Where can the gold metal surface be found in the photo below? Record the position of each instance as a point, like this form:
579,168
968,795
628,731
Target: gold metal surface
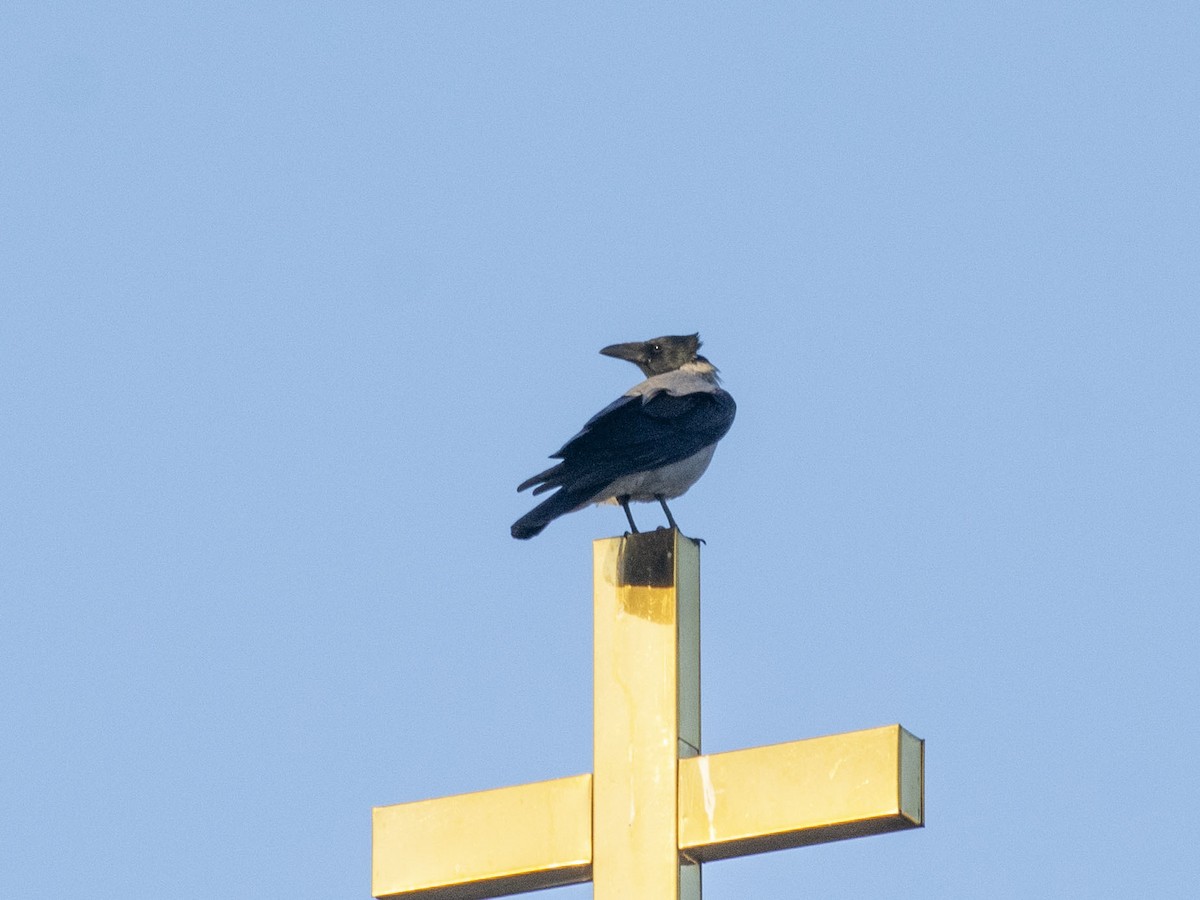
486,844
803,792
653,810
644,586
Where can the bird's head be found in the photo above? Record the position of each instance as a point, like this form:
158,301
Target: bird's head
660,354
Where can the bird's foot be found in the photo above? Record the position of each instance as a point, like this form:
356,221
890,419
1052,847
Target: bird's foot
681,534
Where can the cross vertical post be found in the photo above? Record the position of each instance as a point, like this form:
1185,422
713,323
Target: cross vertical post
647,712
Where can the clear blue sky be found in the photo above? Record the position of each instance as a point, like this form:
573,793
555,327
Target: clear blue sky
296,294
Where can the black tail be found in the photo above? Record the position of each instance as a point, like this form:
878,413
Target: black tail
563,502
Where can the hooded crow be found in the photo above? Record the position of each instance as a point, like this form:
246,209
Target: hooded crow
651,444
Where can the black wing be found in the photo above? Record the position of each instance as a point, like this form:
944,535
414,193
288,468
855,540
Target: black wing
635,435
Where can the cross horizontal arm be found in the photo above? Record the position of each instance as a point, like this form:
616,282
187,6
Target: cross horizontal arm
514,839
486,844
802,792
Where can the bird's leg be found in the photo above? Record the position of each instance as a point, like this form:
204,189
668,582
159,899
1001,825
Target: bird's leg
624,501
662,501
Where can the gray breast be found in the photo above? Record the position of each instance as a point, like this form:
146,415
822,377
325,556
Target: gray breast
670,481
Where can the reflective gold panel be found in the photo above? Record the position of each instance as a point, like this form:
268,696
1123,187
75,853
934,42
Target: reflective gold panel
803,792
486,844
644,586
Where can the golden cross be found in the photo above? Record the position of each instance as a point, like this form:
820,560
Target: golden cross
654,808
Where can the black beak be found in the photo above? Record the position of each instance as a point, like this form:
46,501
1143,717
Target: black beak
634,352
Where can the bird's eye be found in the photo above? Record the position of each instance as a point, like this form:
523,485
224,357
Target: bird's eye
655,348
